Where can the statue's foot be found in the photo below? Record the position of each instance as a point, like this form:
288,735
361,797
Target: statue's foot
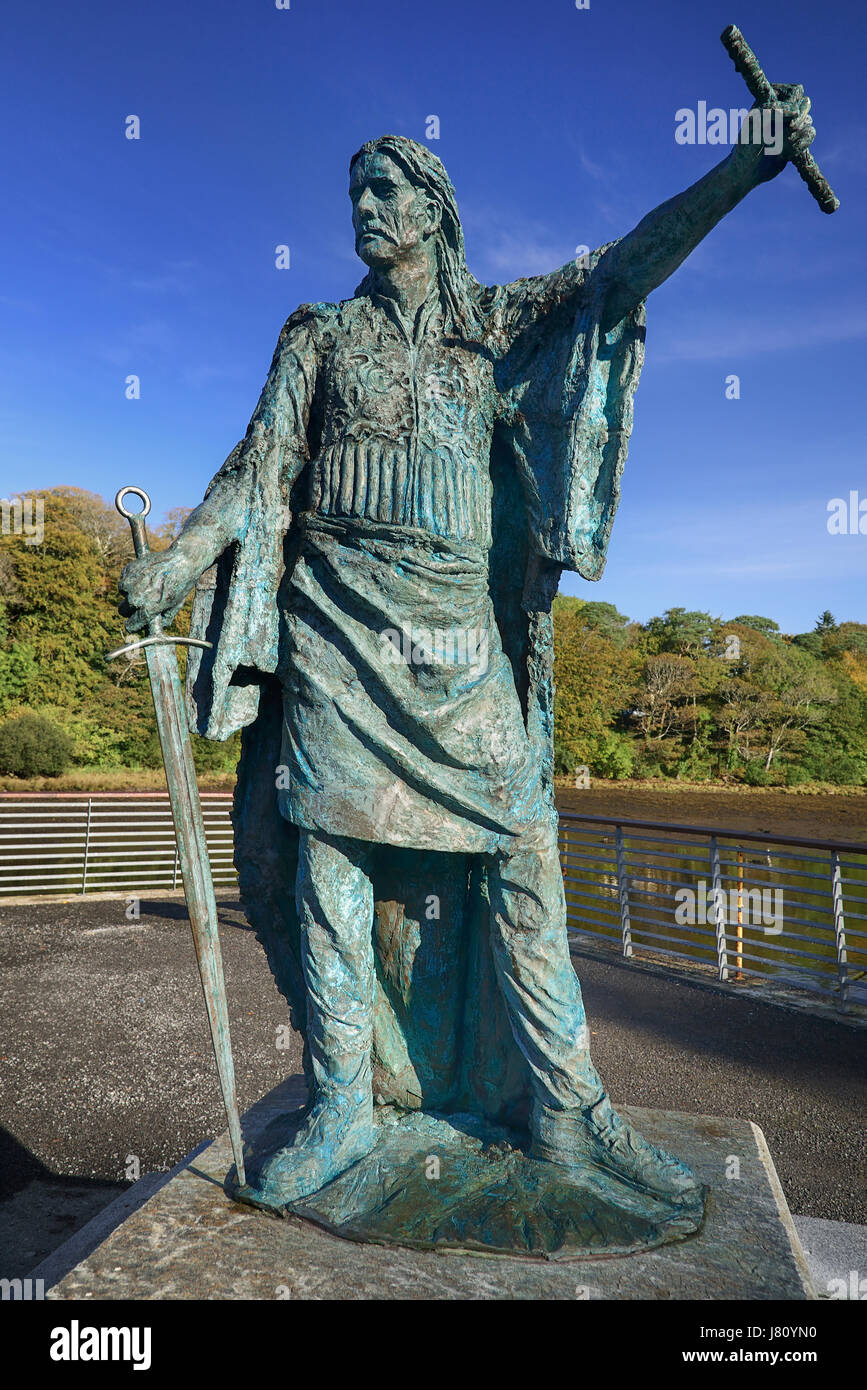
330,1140
597,1133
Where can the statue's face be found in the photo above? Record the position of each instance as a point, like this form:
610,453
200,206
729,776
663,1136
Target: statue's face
391,215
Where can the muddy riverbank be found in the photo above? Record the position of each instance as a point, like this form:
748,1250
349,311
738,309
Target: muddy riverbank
814,815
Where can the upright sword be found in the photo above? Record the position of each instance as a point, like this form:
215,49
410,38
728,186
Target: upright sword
189,826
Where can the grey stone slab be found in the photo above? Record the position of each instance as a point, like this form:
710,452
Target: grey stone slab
86,1239
836,1253
190,1241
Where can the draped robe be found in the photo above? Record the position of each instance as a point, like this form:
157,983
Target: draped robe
547,396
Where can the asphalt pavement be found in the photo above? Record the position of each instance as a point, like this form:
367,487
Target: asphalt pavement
107,1073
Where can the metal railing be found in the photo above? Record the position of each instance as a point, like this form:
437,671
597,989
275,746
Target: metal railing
777,910
104,842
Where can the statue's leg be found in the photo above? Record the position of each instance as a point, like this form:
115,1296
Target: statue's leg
335,908
572,1117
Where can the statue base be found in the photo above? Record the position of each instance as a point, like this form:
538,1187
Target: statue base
191,1240
458,1183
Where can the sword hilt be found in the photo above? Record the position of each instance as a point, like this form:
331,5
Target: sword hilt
747,64
156,636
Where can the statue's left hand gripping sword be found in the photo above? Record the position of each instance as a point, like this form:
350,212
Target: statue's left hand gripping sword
189,826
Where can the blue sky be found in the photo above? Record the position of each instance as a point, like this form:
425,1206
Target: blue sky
156,256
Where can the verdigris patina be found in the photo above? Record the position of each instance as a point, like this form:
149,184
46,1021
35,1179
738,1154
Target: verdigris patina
376,562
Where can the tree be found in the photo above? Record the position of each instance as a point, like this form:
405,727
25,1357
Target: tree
794,691
682,631
591,679
101,523
766,626
667,682
31,746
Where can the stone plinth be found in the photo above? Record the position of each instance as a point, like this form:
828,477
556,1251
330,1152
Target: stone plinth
189,1240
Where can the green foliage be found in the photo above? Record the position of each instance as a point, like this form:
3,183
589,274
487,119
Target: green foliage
766,626
694,697
614,757
591,677
686,695
58,618
685,633
31,746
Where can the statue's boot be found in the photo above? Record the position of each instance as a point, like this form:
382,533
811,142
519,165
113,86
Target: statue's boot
337,1132
597,1134
335,904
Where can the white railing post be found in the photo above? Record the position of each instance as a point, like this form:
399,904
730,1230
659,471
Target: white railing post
623,894
839,929
719,911
86,845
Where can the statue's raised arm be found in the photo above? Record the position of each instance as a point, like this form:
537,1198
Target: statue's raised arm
643,259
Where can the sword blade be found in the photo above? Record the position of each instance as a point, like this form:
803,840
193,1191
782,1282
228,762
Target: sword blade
196,871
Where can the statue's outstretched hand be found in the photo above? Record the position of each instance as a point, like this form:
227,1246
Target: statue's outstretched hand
155,585
798,132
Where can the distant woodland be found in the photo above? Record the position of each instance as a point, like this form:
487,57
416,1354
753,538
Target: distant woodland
686,695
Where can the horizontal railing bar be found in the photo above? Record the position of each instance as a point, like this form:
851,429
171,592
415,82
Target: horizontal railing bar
134,885
638,847
585,901
666,854
777,870
606,892
690,934
604,933
754,837
815,985
36,797
144,811
641,933
603,904
673,884
775,945
644,912
166,848
571,857
643,847
805,982
145,832
789,917
73,875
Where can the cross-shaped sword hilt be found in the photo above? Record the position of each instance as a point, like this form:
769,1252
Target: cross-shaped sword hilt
763,91
156,636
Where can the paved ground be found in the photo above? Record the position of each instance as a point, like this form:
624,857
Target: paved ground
107,1070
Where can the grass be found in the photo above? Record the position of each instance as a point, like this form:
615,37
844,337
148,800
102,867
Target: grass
153,780
112,780
675,786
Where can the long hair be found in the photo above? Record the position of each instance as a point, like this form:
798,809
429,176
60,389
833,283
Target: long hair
459,290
